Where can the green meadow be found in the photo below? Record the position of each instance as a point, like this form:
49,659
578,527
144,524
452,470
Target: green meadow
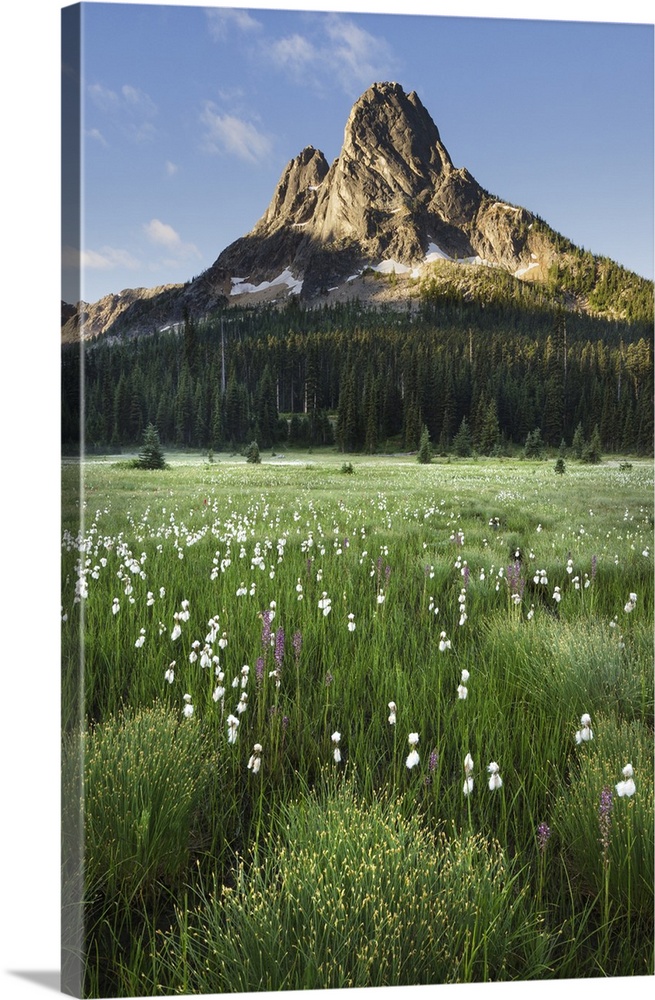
390,725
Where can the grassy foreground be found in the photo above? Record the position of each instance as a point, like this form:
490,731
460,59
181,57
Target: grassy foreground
381,728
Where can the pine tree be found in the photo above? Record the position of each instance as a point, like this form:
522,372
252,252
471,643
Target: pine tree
489,432
534,444
151,456
463,441
560,464
424,450
370,412
348,413
266,410
252,454
592,451
578,443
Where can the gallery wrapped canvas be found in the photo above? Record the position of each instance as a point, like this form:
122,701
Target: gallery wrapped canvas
357,510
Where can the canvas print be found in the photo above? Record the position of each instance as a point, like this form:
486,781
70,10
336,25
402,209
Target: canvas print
357,500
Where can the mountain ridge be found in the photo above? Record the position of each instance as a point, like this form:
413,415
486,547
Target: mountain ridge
393,203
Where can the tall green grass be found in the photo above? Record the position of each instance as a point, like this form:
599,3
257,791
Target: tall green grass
357,893
171,805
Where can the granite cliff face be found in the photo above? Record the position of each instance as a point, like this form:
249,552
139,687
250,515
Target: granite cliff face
392,201
392,194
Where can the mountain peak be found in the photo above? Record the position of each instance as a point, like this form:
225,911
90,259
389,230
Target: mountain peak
391,193
392,201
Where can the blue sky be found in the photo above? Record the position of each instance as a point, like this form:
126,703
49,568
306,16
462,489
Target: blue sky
29,75
190,115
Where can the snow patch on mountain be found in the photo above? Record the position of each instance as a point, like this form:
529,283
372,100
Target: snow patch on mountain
241,287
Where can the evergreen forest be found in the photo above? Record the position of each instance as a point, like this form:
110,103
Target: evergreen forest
369,380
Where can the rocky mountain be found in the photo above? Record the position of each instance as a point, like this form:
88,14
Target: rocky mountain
391,203
393,194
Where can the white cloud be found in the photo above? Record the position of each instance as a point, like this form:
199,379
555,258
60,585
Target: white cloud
103,98
161,234
131,110
139,101
359,57
229,134
171,168
293,53
337,53
220,22
97,136
104,259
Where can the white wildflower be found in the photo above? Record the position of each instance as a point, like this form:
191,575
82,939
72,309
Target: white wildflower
495,780
627,787
232,726
630,606
255,761
413,758
585,733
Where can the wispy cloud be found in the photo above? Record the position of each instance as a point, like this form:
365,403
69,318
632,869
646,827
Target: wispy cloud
221,21
97,136
130,110
358,56
103,98
228,133
293,53
333,51
161,234
171,168
104,259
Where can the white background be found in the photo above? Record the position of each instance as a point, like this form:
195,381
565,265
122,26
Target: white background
29,612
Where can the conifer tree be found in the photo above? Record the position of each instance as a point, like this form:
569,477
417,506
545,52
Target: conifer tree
534,444
348,413
424,450
578,443
489,432
151,456
252,454
592,451
463,441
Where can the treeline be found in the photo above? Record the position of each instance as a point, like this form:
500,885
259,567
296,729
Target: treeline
365,379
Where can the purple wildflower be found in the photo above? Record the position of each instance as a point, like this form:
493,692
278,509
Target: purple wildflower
387,573
259,669
328,679
514,579
604,821
543,833
594,566
297,644
266,629
279,646
432,763
466,572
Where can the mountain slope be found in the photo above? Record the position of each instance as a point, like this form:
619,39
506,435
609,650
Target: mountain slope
392,202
